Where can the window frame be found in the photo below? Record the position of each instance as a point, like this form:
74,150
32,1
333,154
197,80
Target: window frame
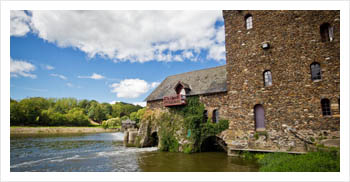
315,76
267,76
248,19
326,107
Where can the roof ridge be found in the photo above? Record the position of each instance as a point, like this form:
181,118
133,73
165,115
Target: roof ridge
196,71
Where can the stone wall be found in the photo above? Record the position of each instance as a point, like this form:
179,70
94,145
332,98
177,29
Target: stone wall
215,101
293,99
292,104
211,102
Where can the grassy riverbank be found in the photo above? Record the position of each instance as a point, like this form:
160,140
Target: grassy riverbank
57,130
322,160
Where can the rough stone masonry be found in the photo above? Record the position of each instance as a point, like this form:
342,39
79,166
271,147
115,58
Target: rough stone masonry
298,103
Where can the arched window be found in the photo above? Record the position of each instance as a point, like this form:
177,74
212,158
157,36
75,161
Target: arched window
249,21
326,31
326,108
259,117
205,116
315,71
267,78
215,116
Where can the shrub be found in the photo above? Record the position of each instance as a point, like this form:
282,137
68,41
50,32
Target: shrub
112,123
169,143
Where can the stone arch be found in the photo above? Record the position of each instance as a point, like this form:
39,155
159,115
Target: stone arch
213,144
153,139
259,117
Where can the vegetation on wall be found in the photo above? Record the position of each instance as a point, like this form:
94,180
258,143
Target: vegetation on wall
38,111
188,119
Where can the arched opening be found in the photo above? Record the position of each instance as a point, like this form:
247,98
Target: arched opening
267,78
215,117
248,21
213,144
259,116
154,139
326,107
315,71
326,31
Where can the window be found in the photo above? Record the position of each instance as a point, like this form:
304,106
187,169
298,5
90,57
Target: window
315,71
259,117
326,109
326,31
205,116
267,78
249,21
215,116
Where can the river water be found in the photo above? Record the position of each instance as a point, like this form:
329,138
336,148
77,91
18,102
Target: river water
105,152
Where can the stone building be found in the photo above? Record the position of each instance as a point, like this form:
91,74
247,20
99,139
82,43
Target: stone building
280,87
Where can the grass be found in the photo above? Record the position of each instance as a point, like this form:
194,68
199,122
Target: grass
323,160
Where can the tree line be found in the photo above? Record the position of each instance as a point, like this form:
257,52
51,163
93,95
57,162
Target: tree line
38,111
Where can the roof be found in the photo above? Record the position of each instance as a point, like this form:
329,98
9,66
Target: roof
205,81
128,121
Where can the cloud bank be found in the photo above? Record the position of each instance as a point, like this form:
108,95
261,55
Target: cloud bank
132,88
135,36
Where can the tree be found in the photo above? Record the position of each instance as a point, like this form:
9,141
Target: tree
96,113
16,114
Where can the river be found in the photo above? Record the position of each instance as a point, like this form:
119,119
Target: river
105,152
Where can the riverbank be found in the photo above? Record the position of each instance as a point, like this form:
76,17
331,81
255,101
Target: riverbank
322,160
57,130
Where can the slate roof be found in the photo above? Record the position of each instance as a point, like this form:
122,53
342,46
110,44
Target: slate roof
211,80
128,121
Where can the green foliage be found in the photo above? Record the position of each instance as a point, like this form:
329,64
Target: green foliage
124,118
192,115
319,161
188,148
137,116
112,123
169,143
38,111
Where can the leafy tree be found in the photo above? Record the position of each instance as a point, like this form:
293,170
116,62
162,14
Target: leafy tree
96,113
31,108
16,114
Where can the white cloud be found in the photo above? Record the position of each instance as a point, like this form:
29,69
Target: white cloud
19,23
136,36
48,67
132,88
154,84
142,104
21,68
113,102
59,76
94,76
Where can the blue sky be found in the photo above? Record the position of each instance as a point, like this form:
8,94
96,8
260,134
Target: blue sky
109,55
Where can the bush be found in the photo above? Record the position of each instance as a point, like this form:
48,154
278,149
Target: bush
169,143
112,123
